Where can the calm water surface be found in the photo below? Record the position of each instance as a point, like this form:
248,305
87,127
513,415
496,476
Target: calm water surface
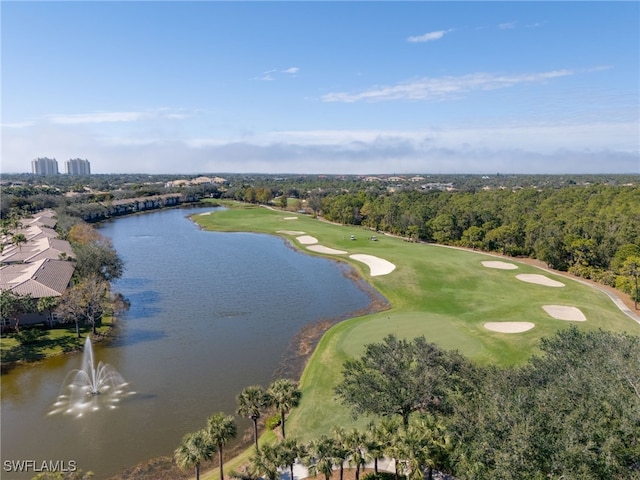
211,313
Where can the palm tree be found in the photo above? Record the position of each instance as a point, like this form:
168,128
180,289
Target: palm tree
375,444
288,451
284,395
194,449
340,452
425,444
320,455
265,462
437,444
387,431
250,402
219,430
18,240
355,443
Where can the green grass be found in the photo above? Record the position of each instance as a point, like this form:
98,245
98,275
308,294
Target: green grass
53,342
444,294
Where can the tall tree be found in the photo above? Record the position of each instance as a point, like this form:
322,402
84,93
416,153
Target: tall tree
194,449
341,451
319,458
284,395
219,430
86,300
265,462
401,377
387,432
355,443
251,401
95,299
288,451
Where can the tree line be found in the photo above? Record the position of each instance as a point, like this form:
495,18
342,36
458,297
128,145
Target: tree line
590,231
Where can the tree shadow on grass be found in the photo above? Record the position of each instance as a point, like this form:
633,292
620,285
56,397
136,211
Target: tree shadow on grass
36,347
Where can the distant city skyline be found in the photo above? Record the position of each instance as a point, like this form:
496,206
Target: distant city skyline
322,87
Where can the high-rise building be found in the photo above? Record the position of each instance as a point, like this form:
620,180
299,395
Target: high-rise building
44,166
78,166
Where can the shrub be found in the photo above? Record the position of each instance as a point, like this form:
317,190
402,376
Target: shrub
29,336
272,422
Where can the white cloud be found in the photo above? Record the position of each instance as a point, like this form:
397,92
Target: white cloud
99,117
428,37
429,88
508,25
526,148
114,117
270,75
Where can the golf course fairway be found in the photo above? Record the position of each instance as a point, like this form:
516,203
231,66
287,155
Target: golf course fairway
445,294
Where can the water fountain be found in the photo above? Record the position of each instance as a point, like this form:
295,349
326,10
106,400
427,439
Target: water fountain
91,387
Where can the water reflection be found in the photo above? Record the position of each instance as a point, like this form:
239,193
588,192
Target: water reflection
210,314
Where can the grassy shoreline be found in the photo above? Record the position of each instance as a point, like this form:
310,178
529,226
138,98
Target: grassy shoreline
442,293
54,342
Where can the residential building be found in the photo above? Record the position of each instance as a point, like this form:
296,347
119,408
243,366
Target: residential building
44,166
39,268
78,166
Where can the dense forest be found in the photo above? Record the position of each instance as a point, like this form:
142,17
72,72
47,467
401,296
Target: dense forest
586,225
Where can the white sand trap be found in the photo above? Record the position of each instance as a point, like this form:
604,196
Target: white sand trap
539,280
500,265
290,232
562,312
307,239
206,213
327,250
290,218
377,266
509,327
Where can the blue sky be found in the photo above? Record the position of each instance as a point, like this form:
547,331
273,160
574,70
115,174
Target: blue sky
322,87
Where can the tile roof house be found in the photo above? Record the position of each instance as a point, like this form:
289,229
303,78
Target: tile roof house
40,267
42,278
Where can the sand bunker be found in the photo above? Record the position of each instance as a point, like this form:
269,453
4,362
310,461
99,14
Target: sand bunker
290,232
500,265
562,312
323,249
509,327
206,213
377,266
539,280
290,218
307,240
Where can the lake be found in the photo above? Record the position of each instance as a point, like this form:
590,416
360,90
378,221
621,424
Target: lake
211,313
